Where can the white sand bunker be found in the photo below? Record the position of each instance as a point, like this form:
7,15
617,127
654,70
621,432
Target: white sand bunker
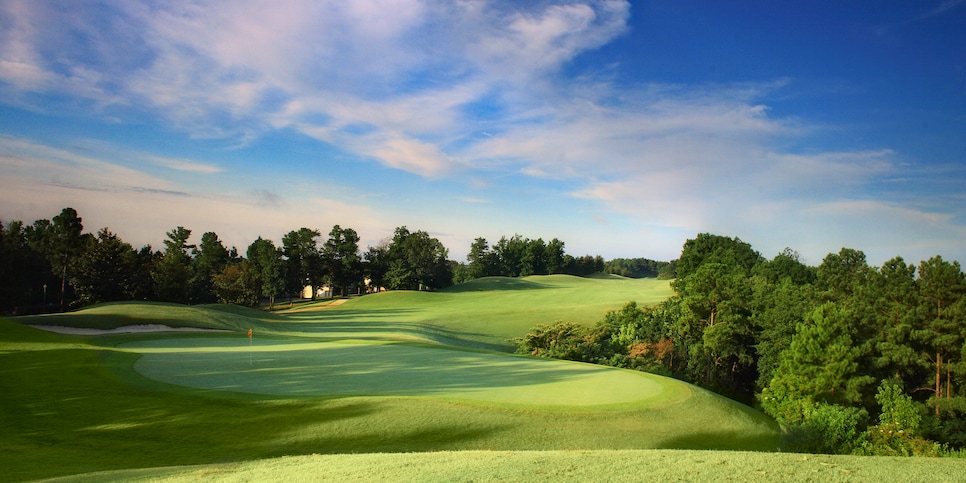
127,329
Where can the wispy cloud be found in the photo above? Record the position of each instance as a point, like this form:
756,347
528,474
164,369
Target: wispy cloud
404,68
185,165
940,9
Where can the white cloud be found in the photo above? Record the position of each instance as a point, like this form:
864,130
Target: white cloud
401,81
184,165
37,181
403,68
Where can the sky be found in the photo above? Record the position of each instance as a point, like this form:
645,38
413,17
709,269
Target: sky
621,128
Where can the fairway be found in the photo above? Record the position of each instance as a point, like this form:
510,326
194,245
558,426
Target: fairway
299,368
397,372
486,313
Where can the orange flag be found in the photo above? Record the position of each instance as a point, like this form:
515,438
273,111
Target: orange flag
249,333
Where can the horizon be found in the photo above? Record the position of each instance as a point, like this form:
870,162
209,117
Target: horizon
622,130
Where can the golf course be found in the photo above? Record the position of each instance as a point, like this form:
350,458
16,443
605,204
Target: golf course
406,386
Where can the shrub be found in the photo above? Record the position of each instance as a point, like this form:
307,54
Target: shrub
828,428
892,440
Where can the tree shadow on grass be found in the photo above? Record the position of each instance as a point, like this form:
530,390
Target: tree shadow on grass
366,369
723,440
441,438
487,284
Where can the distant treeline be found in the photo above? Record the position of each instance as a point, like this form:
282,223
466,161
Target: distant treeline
848,357
520,257
53,264
640,268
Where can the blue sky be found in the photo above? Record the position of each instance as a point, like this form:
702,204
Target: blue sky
622,129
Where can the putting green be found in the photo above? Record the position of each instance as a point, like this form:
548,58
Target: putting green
300,368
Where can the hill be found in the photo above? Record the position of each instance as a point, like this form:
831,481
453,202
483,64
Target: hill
301,387
488,312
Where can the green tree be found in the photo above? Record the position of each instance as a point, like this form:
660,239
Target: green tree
482,262
554,253
899,430
24,272
172,272
340,255
270,266
534,258
822,364
238,283
209,258
63,241
717,327
777,309
897,319
108,270
510,253
417,261
707,248
376,265
941,286
301,248
842,274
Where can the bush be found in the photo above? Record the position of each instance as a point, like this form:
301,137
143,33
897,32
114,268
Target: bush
828,428
893,440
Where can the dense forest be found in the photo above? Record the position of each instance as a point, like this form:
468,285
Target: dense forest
850,358
53,265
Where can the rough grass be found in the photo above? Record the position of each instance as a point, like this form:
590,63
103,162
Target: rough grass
559,466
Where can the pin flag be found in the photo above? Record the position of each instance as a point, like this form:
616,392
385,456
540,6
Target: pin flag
250,342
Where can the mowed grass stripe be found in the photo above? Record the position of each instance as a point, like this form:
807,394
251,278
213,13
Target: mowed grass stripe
484,313
297,368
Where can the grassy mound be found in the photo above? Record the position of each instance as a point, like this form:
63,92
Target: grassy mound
389,373
299,368
120,314
487,313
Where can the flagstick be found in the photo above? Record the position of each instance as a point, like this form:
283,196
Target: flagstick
251,339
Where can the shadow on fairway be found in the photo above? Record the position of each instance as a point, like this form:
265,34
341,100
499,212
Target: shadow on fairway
724,440
297,368
377,324
440,438
496,283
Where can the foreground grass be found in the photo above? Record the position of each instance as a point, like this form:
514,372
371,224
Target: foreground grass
560,466
74,405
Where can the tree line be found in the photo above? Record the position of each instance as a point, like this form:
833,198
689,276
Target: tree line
53,264
518,256
848,357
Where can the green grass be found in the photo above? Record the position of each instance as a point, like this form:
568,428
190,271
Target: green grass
72,407
391,373
484,313
113,315
299,368
559,466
